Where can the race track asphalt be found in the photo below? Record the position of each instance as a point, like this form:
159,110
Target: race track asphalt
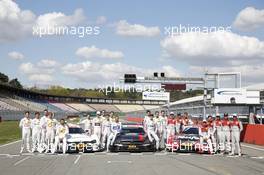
102,163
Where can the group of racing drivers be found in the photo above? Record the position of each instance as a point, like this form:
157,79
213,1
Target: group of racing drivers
46,132
104,126
221,135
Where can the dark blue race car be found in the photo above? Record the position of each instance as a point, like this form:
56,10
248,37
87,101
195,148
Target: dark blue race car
132,138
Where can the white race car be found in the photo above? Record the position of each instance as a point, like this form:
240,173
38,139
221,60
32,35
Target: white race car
79,141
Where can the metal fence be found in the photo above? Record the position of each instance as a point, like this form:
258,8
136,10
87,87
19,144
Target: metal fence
17,115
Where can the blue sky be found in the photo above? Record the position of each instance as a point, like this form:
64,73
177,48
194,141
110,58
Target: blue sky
141,54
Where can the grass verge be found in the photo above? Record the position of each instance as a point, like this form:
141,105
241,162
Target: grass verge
9,131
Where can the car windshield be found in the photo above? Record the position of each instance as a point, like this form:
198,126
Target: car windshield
76,131
190,131
126,131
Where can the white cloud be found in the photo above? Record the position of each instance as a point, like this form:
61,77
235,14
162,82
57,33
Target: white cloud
16,55
94,52
108,73
170,71
16,23
125,29
41,78
250,73
47,63
41,72
249,18
96,72
101,20
216,48
60,19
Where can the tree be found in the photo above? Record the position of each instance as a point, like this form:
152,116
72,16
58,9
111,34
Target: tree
58,90
132,94
110,92
3,78
15,83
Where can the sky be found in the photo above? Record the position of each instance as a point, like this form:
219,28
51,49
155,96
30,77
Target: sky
129,37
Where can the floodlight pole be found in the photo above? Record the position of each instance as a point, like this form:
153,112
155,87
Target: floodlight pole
204,99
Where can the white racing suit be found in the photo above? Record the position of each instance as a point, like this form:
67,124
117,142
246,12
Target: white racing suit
157,121
218,134
36,131
61,134
205,136
151,131
178,126
50,134
25,125
114,129
145,121
236,128
87,126
226,135
106,131
43,124
211,132
162,131
97,127
170,128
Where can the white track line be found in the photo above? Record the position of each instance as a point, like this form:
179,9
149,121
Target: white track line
20,161
11,143
128,161
252,147
184,154
77,159
136,154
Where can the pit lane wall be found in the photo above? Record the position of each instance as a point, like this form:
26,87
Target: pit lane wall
253,134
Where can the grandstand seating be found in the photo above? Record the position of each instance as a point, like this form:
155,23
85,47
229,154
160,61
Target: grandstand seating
81,107
10,102
149,107
29,104
64,107
14,101
129,108
5,106
48,106
106,107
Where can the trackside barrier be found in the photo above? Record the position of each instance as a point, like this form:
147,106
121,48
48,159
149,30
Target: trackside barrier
253,134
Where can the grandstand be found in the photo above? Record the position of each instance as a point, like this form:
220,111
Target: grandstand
106,107
129,108
81,107
13,102
6,107
64,107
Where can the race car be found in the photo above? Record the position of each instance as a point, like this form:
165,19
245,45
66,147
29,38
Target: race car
78,141
132,138
187,141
